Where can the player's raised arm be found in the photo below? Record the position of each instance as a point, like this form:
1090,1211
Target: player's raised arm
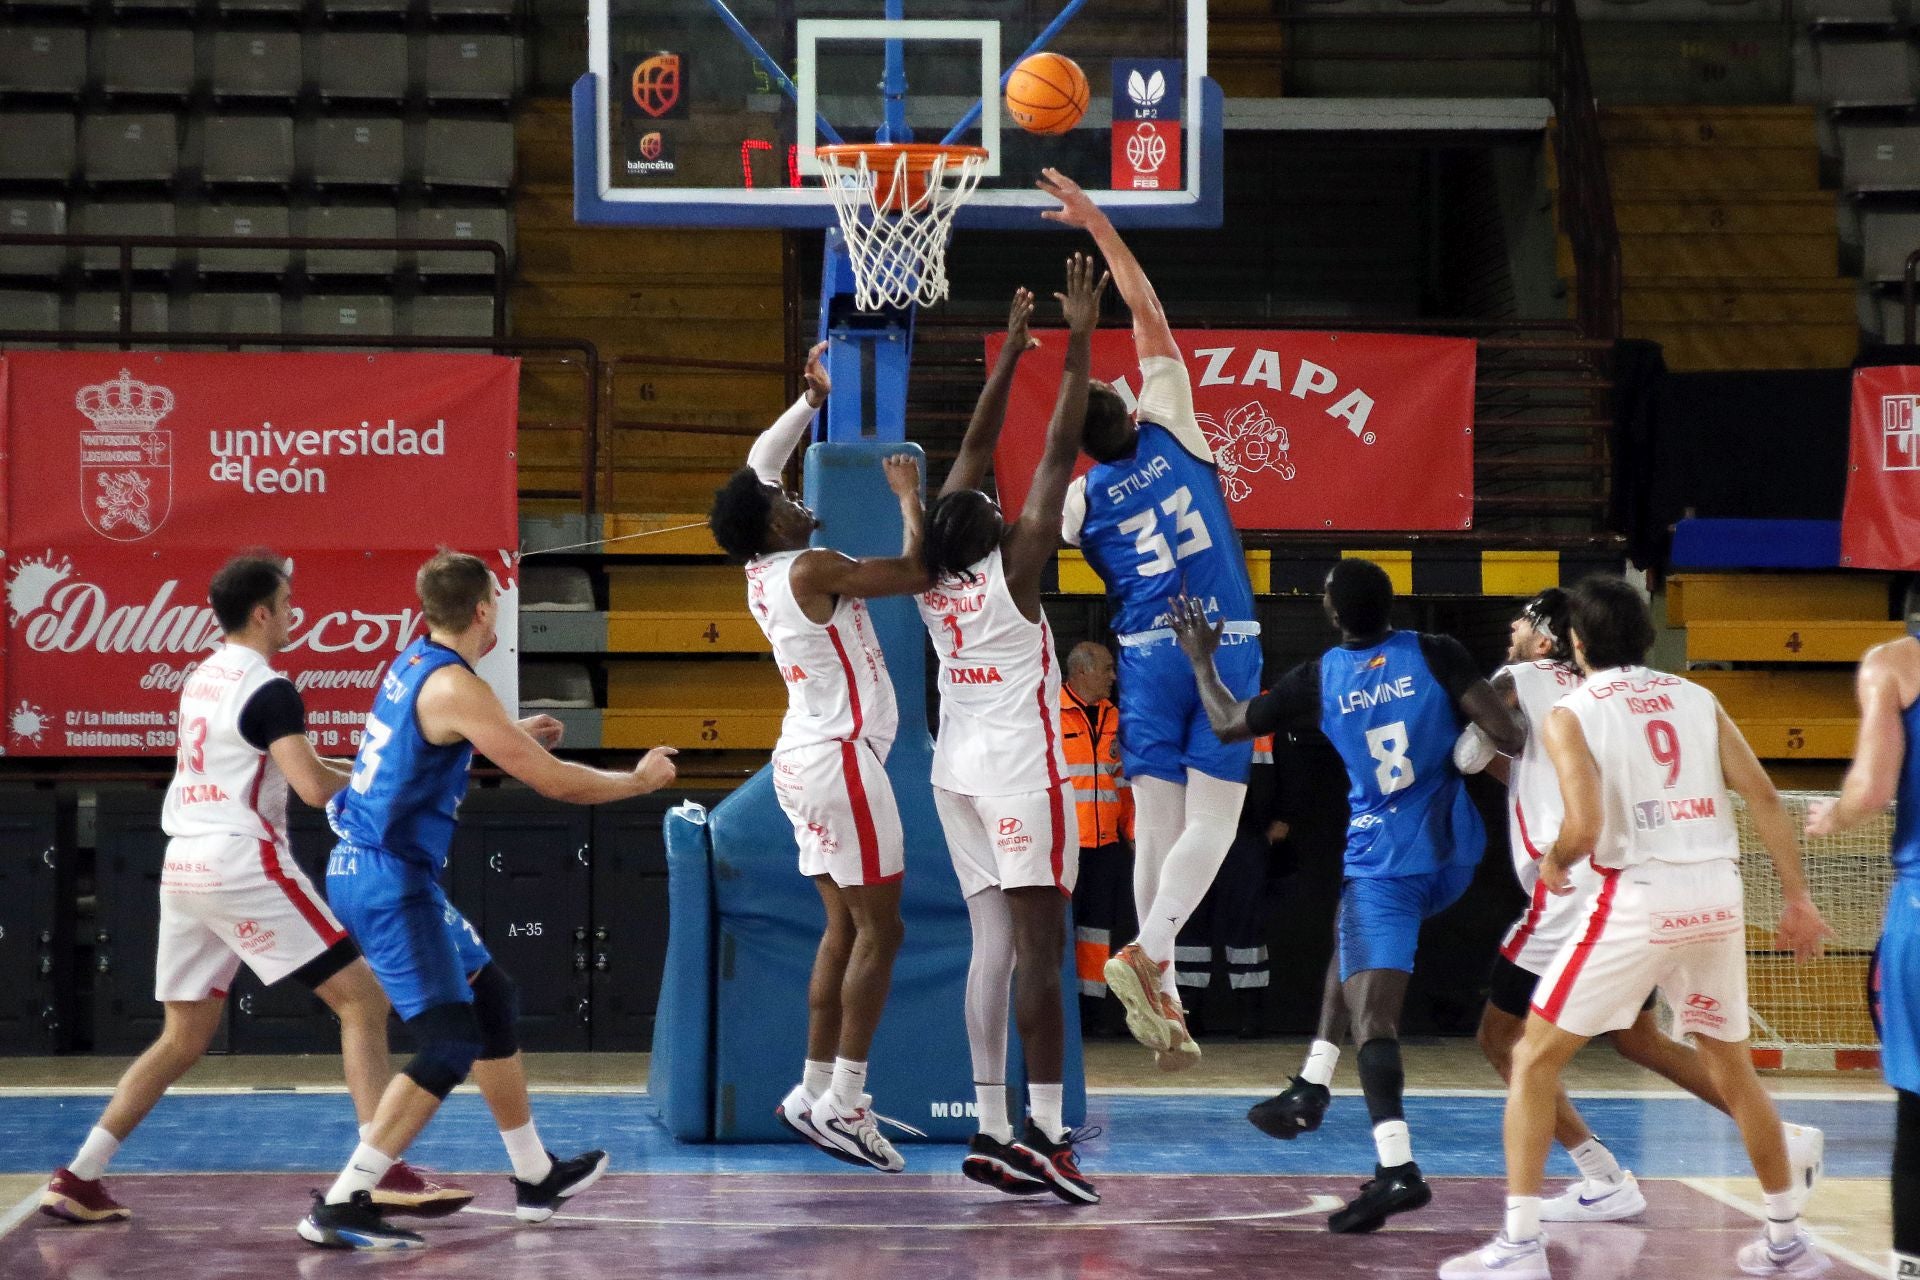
1198,640
1875,773
455,701
770,451
823,573
1801,928
990,411
1037,532
1152,336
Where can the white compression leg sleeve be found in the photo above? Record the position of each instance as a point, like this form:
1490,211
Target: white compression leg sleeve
1159,811
989,985
1213,817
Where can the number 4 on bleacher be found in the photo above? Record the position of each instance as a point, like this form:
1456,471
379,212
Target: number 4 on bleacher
1794,643
712,634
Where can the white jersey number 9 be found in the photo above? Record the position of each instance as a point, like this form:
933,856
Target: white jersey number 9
1190,534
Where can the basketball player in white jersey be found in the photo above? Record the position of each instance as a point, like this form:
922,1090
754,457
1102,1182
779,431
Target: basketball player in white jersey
1539,673
1645,760
230,891
999,770
829,763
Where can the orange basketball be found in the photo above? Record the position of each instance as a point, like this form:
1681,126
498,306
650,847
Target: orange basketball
1047,93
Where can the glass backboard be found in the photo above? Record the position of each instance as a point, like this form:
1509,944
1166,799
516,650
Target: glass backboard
707,112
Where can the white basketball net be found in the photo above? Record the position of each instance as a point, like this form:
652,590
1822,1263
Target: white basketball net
899,255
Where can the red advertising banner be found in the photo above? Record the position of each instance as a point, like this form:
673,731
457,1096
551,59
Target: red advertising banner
1322,431
1880,524
131,476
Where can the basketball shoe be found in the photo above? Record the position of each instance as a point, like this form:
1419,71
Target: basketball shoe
857,1133
1591,1201
1058,1165
536,1201
1134,980
407,1189
354,1225
1501,1259
796,1112
1004,1166
1297,1109
1186,1050
1390,1191
1797,1257
72,1199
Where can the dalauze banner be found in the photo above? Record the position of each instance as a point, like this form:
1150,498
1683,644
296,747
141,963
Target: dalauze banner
1321,431
129,477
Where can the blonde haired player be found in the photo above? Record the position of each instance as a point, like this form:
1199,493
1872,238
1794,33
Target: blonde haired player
1645,760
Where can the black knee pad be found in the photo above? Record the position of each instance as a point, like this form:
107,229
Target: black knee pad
496,1003
1906,1175
1383,1079
446,1043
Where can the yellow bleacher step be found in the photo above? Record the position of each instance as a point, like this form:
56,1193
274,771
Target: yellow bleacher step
712,705
1792,692
676,534
681,608
1078,578
1776,737
1731,597
1786,640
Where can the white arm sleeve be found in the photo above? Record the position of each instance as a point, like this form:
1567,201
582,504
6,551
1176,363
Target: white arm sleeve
1166,398
1073,514
770,451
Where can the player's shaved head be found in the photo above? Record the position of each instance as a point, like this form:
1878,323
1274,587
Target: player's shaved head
1361,596
1611,621
452,587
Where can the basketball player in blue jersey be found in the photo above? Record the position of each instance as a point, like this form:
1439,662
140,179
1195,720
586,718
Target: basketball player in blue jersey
395,824
1152,522
1886,769
1392,703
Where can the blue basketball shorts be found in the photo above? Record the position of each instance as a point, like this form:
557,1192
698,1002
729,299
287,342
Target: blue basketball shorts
1164,730
1896,987
423,951
1378,924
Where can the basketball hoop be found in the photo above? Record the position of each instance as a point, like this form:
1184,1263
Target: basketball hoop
896,203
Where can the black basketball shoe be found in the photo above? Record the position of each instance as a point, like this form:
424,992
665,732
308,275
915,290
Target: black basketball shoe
1058,1165
354,1225
536,1201
1004,1166
1298,1110
1388,1192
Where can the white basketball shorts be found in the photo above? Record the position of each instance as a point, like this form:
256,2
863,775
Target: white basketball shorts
1550,921
1672,925
225,899
1021,841
840,802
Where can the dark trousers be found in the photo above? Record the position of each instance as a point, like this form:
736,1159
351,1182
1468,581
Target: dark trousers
1103,922
1220,958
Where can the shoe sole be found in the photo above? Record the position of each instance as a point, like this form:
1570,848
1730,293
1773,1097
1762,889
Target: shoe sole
62,1209
1180,1059
1143,1022
327,1238
444,1207
1360,1226
1824,1265
989,1172
815,1141
1286,1130
541,1213
860,1158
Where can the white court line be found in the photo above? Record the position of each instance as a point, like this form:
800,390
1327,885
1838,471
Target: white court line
1759,1213
1315,1204
20,1212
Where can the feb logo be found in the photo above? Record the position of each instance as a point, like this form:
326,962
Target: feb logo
1146,149
657,84
1246,441
126,461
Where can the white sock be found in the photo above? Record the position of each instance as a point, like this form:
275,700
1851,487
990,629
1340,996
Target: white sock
1596,1163
1523,1218
531,1163
1906,1266
990,1100
363,1173
95,1152
1213,818
849,1083
1783,1216
1322,1058
1043,1100
365,1129
817,1078
1393,1143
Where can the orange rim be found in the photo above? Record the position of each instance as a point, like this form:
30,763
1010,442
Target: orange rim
920,155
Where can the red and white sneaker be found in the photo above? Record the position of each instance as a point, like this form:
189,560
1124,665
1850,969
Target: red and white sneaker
72,1199
1186,1050
1058,1164
1134,979
414,1192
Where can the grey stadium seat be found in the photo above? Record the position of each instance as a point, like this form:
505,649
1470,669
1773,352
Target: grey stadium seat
472,68
359,153
262,6
142,62
561,588
1864,73
555,684
462,224
363,67
32,311
142,217
468,153
155,6
501,9
229,313
257,64
337,314
129,148
263,220
1880,158
43,60
38,146
33,217
394,8
351,222
100,313
450,316
1887,237
248,151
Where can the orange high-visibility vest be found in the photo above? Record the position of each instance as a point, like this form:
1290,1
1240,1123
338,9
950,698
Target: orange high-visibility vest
1091,738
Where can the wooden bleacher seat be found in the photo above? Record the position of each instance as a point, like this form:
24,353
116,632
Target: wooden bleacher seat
694,705
1722,596
680,608
1786,715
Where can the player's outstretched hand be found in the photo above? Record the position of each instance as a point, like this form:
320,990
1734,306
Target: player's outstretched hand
1077,208
819,385
1080,304
656,769
1802,930
1017,317
903,475
1820,816
1198,637
546,730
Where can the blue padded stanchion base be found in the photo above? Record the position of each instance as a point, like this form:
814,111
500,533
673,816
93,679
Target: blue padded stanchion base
680,1080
